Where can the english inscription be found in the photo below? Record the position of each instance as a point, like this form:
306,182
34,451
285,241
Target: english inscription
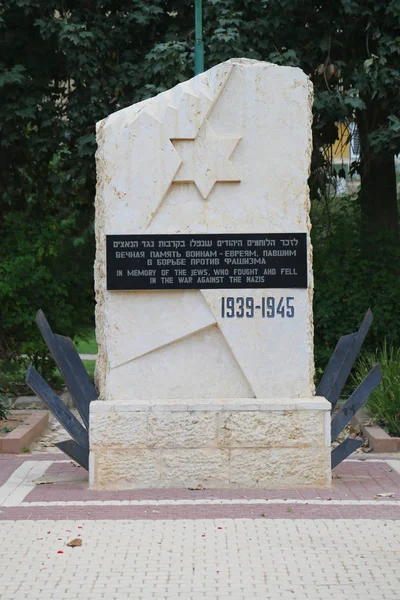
143,262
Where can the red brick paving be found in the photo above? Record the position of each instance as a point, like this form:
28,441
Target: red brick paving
245,511
360,480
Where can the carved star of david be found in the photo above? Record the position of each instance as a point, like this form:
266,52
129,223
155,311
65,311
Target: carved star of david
206,159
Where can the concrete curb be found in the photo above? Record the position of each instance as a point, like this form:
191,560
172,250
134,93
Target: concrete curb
379,440
23,435
33,402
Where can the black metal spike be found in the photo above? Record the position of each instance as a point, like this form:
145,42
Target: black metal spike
356,400
76,452
344,450
72,368
342,361
41,388
76,377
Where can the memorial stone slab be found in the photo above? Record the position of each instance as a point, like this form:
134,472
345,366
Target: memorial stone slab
204,285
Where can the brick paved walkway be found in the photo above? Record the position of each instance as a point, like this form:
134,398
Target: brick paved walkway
198,544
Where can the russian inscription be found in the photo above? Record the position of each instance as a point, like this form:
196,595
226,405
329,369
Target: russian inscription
184,261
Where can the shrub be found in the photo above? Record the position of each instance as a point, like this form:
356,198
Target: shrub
384,402
41,266
3,402
352,273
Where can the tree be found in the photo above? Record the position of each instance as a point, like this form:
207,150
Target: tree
65,64
351,51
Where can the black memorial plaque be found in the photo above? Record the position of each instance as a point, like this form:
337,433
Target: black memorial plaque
204,261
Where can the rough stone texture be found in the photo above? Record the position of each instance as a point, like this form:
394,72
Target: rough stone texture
132,468
271,429
194,468
182,429
119,428
246,125
119,468
280,467
208,448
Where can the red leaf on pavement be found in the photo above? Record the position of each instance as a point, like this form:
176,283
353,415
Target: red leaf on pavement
39,538
219,527
60,552
48,532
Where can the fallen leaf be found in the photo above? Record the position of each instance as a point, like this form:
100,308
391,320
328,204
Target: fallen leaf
219,527
59,538
67,530
45,480
48,532
60,552
74,543
203,535
385,495
39,538
79,526
264,514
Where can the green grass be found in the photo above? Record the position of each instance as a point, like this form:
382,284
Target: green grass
384,403
90,366
14,377
86,343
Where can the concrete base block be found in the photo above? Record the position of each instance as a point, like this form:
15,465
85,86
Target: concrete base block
207,444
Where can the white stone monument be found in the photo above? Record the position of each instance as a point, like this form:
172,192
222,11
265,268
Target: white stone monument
207,386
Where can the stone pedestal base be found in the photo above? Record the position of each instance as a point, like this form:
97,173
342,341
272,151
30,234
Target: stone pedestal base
224,443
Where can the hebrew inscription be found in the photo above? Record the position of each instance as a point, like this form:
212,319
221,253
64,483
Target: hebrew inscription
205,261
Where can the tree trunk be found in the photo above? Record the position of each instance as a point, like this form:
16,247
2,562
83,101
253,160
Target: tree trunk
378,179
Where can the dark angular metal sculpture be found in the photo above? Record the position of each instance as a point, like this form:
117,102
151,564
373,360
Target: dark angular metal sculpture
72,368
57,407
76,452
341,362
356,401
344,450
333,382
79,385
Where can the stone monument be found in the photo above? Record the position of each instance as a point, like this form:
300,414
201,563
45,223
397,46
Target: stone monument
204,288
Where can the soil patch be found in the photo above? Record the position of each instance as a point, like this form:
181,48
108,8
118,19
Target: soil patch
9,424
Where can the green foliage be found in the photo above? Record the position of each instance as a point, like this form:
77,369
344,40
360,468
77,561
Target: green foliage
384,402
40,267
352,275
90,366
66,65
3,403
87,343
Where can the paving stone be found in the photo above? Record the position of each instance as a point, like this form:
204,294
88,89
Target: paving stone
197,544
